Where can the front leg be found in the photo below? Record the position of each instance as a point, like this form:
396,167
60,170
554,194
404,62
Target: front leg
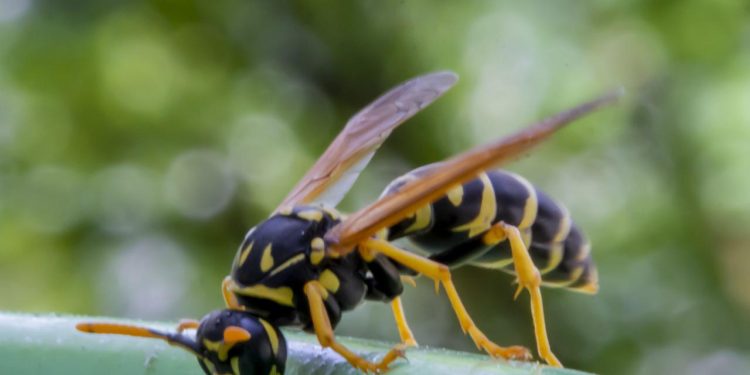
230,300
316,294
186,324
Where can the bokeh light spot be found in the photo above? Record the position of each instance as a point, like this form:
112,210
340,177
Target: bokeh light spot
146,277
199,184
11,10
140,69
49,199
125,198
263,149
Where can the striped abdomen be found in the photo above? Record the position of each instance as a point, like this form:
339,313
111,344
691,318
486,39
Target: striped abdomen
451,229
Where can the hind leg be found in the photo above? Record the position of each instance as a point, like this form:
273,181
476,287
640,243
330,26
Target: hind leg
528,278
441,275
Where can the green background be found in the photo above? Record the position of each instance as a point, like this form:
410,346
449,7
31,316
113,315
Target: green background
140,140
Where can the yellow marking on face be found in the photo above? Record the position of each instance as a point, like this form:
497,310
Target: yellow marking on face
330,281
487,210
555,257
235,361
272,336
423,218
281,295
274,371
245,252
288,263
565,223
285,211
220,347
456,195
266,261
531,206
311,215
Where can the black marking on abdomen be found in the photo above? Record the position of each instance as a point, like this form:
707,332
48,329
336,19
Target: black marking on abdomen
561,254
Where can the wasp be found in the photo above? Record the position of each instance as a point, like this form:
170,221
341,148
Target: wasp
226,341
307,263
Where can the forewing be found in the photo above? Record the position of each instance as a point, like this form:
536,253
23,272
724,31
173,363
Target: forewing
391,209
334,173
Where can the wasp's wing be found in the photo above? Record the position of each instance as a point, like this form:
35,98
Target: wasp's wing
335,172
390,209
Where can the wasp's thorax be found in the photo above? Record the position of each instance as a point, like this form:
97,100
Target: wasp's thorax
285,252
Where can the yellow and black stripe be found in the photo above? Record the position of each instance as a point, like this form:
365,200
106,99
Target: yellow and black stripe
452,228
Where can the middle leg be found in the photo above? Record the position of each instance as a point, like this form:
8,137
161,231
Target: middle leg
407,337
441,275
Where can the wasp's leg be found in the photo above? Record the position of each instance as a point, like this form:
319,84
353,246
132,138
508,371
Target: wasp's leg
386,285
407,337
229,298
441,275
529,278
187,324
316,294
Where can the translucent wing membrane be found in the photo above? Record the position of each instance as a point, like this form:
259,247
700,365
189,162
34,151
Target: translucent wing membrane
391,209
334,173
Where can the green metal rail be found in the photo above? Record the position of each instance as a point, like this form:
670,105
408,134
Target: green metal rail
49,344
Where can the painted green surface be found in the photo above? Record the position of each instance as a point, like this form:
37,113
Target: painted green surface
49,344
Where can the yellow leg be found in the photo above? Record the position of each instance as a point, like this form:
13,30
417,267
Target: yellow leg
316,293
441,275
407,338
229,298
187,324
530,279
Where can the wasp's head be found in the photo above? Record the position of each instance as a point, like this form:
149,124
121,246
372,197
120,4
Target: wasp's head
237,342
226,342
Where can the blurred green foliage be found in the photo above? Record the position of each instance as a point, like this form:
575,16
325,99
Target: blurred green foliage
139,141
